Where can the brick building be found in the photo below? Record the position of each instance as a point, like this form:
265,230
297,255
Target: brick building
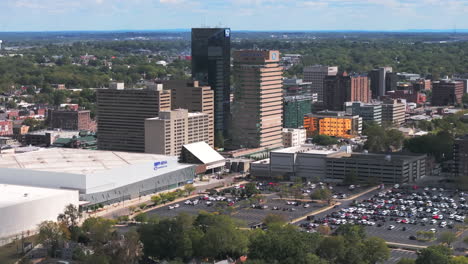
409,95
6,128
447,92
70,120
345,88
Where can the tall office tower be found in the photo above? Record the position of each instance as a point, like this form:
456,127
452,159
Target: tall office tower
258,99
167,133
393,112
316,75
379,81
122,113
345,88
460,157
195,98
211,65
447,92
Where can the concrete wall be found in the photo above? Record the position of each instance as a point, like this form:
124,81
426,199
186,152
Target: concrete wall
24,217
140,186
43,179
310,166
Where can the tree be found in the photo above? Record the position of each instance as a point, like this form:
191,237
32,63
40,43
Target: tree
321,194
376,250
52,235
351,233
434,255
99,231
189,188
284,244
70,217
406,261
459,260
142,218
251,189
447,238
220,237
332,249
272,219
126,249
324,140
169,238
324,230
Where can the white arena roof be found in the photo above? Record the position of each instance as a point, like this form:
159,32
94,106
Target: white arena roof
204,152
74,160
89,171
16,194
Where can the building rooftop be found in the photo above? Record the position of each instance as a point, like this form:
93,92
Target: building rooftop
77,161
312,149
204,152
16,194
63,133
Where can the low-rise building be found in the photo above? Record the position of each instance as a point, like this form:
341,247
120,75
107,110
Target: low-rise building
305,162
23,208
293,137
70,120
447,92
6,128
368,112
333,123
376,168
394,111
208,159
101,177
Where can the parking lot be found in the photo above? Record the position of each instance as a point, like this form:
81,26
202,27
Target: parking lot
250,211
397,214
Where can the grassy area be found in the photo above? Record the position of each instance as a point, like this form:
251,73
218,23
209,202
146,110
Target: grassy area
8,253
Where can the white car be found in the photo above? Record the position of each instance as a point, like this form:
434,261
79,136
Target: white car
391,227
433,230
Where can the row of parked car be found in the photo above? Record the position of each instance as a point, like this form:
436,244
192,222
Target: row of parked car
429,206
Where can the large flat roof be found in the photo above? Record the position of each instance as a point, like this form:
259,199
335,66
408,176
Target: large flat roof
77,161
204,152
311,149
16,194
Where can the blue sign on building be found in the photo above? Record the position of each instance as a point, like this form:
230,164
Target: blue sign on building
160,164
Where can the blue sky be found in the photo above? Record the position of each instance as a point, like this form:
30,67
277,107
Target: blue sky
53,15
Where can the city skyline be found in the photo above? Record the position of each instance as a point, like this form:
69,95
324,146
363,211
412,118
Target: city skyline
367,15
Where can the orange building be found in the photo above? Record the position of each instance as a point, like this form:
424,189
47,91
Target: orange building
334,124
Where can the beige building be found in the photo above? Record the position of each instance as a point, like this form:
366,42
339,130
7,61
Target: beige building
393,112
168,133
195,98
294,137
316,75
257,110
121,115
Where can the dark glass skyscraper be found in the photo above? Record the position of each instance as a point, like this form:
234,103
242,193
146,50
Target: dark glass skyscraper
211,65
